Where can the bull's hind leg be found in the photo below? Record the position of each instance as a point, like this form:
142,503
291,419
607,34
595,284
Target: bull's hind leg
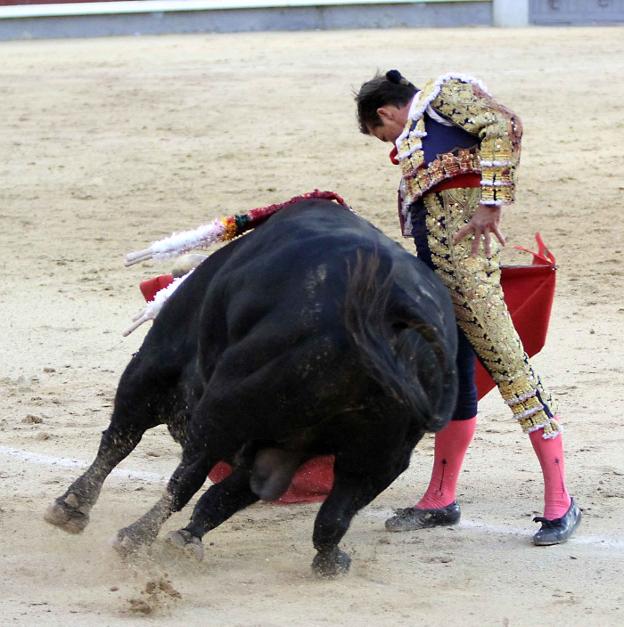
356,484
216,505
70,511
205,445
187,478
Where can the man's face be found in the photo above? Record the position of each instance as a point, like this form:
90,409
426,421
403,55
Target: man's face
393,120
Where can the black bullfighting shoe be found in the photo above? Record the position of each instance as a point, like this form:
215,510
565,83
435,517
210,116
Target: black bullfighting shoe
412,518
558,530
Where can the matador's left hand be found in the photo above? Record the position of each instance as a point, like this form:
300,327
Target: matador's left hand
484,222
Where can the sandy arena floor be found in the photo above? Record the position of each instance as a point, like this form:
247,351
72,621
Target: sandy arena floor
109,144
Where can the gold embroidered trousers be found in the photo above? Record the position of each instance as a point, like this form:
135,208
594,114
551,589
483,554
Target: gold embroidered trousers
474,284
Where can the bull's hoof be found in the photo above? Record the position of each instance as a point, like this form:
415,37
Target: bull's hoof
65,514
128,541
331,564
190,544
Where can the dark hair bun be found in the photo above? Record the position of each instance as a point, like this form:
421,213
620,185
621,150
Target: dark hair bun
394,76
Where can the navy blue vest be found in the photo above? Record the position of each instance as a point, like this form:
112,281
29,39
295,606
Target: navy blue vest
441,139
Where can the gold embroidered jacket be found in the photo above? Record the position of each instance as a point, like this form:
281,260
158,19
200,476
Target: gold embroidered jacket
465,102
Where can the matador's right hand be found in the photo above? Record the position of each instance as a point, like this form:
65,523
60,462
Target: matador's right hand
484,222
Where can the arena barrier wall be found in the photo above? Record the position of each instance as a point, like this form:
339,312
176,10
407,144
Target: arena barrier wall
98,19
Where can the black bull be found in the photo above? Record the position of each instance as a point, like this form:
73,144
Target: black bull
314,334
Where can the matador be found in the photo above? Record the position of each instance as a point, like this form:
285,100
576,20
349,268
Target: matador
458,150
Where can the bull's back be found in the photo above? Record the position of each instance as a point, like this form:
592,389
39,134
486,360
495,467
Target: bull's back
272,330
286,281
282,284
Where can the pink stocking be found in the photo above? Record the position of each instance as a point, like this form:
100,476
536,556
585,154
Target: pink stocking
550,455
451,445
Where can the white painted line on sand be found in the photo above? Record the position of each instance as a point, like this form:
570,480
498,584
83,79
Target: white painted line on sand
608,542
66,462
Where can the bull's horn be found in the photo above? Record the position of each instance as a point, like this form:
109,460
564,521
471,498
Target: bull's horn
138,256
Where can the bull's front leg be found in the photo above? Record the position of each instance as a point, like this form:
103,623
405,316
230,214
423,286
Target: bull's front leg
70,511
351,492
